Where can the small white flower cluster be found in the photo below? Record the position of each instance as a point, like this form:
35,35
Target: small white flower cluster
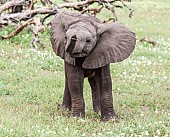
42,59
33,131
36,130
146,66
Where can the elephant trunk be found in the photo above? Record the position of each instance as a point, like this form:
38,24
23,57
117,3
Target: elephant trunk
71,44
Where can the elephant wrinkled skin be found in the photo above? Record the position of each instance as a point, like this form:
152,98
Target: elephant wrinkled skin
88,46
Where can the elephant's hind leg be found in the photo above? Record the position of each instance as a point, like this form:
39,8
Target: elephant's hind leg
66,104
95,94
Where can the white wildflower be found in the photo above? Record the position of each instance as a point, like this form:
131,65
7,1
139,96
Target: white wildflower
156,111
158,132
146,133
142,114
165,77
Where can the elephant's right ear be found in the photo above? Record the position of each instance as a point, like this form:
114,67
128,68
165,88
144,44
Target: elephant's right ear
59,26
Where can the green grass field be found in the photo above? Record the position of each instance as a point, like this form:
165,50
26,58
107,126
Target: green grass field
32,84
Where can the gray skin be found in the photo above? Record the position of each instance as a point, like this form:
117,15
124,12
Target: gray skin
88,46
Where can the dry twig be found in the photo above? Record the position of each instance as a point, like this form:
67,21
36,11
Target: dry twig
147,40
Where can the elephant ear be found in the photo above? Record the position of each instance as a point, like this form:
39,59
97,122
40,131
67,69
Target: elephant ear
115,43
59,26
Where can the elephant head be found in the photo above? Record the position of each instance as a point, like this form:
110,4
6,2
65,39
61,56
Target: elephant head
76,35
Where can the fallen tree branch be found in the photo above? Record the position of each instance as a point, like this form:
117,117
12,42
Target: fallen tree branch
94,10
9,4
27,16
76,4
131,13
18,30
38,27
16,17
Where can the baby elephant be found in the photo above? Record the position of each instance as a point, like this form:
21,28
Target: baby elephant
88,46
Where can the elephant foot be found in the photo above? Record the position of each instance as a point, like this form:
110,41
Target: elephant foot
97,109
108,116
66,107
78,114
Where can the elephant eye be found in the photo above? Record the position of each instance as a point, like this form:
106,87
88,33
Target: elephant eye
65,37
88,40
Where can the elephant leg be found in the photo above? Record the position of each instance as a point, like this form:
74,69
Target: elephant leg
75,77
106,98
95,94
66,104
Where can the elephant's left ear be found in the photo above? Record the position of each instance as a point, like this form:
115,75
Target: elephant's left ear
116,42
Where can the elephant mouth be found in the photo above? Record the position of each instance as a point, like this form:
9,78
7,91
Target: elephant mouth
83,53
78,55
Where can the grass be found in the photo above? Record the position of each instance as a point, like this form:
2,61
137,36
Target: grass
32,84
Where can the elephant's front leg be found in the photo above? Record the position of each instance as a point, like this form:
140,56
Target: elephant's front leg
106,98
75,77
